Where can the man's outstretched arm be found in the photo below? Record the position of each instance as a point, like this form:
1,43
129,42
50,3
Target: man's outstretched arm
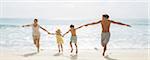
93,23
119,23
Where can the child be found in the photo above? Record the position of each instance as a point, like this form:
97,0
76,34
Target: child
35,33
73,38
59,39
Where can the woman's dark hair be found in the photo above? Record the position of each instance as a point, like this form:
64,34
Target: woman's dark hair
106,16
36,20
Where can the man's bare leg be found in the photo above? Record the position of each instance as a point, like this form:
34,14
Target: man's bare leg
76,48
71,46
105,47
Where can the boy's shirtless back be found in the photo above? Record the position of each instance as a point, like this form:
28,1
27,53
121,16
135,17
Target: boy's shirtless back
73,31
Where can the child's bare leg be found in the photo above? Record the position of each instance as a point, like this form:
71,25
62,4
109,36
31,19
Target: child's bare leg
71,46
76,48
61,48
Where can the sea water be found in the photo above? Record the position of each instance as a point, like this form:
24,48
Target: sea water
15,37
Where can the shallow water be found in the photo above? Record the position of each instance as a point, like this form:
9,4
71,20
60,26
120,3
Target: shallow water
13,37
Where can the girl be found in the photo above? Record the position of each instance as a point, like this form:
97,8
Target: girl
59,39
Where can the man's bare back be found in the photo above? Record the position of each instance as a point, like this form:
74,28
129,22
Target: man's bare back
105,25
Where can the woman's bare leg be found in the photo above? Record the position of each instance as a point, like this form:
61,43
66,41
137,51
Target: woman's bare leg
38,44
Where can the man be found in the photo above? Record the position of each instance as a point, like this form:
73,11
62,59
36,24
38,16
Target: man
105,35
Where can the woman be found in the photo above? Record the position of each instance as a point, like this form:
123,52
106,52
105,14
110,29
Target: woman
35,33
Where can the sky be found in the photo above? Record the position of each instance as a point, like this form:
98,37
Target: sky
73,9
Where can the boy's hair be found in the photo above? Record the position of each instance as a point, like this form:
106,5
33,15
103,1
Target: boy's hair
106,16
71,25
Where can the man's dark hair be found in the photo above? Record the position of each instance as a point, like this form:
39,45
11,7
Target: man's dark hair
106,16
35,19
71,25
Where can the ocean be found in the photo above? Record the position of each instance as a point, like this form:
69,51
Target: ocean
15,37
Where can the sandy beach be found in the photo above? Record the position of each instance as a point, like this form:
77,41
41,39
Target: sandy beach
84,54
120,25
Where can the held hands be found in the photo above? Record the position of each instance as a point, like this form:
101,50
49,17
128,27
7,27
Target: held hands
23,26
48,32
51,33
63,35
80,26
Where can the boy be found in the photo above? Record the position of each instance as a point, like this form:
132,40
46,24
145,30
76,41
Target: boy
73,38
35,33
105,35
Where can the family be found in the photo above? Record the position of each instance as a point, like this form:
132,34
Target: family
105,35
